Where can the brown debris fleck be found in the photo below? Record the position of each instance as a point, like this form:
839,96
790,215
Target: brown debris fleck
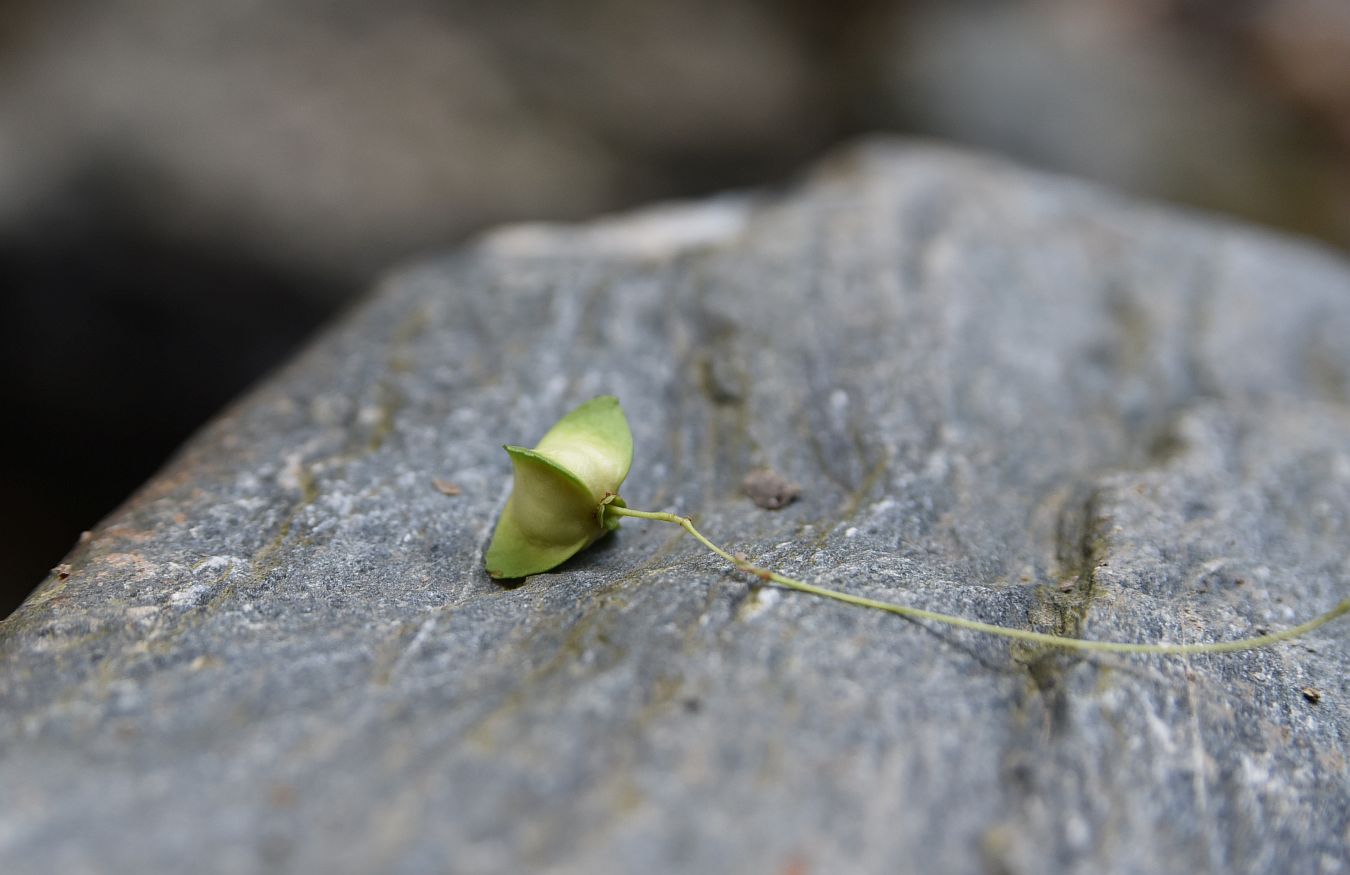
769,489
445,487
1312,694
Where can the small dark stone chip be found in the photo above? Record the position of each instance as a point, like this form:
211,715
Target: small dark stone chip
769,489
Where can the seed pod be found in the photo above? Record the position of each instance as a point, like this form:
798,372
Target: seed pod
562,487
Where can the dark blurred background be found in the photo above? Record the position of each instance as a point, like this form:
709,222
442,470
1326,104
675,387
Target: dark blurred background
189,187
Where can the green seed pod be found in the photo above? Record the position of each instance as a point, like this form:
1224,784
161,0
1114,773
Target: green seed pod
562,487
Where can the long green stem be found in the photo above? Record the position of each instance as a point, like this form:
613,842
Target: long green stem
1020,634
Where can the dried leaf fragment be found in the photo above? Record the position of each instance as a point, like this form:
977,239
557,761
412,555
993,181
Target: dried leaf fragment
445,487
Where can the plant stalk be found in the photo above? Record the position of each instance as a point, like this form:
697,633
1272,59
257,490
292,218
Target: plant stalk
988,628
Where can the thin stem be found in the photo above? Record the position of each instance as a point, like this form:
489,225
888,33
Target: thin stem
1019,634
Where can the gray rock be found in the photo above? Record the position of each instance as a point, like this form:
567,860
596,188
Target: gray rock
1005,395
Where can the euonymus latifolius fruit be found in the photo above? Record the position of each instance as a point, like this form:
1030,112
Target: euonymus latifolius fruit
566,495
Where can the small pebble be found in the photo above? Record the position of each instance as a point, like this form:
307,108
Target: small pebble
769,489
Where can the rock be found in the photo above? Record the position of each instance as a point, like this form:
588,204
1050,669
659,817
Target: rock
1006,395
769,489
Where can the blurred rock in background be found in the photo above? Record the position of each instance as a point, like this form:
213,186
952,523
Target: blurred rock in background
1159,98
188,188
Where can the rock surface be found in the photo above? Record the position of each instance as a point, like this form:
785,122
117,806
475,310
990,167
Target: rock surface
1007,396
